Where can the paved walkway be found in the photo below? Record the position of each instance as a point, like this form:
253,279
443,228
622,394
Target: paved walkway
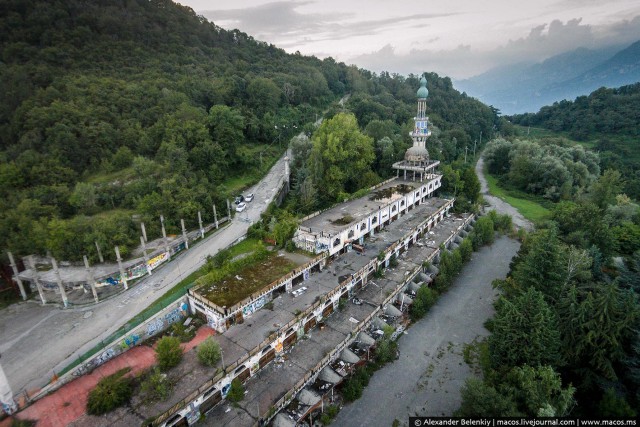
69,402
497,203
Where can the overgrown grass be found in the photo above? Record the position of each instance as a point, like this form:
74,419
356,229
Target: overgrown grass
247,246
531,210
270,154
537,133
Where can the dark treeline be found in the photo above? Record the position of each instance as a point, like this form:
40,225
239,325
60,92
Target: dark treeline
607,118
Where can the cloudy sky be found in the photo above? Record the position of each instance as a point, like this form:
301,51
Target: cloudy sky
458,38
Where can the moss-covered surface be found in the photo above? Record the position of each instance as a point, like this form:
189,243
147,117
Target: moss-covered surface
387,193
249,279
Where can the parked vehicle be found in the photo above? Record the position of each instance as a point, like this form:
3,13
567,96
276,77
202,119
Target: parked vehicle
248,197
239,199
241,206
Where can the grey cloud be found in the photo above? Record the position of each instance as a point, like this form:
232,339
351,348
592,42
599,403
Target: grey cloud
542,42
281,23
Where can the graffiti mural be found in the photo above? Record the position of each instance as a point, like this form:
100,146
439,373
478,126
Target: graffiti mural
320,247
104,357
155,326
130,341
173,316
256,305
225,389
157,260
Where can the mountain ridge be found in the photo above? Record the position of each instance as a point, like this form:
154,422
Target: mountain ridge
525,87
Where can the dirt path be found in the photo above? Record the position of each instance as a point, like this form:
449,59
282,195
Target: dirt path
498,204
427,377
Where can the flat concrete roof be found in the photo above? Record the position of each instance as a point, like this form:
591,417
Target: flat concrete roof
358,209
275,380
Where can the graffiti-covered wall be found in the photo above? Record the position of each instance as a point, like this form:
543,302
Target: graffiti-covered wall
174,313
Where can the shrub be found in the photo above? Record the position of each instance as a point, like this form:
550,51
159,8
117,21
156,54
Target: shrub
183,333
290,246
15,422
352,390
168,352
110,392
156,386
236,392
209,352
385,351
329,414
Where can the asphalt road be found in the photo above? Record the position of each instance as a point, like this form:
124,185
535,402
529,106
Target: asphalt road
36,341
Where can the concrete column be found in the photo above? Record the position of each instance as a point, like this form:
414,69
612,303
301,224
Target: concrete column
184,234
122,275
99,253
15,273
200,223
286,168
228,210
144,254
6,395
215,216
36,276
164,236
90,278
63,293
144,231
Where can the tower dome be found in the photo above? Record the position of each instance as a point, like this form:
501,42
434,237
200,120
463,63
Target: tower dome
422,92
416,154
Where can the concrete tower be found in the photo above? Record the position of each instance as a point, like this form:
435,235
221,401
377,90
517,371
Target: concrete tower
416,159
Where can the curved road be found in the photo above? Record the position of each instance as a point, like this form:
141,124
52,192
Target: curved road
36,340
497,203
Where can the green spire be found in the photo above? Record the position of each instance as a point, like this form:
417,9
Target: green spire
422,92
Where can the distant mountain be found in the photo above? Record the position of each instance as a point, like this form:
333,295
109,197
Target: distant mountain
527,87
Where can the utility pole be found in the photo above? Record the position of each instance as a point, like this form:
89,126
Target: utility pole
17,279
90,278
474,148
465,154
144,231
164,236
123,277
99,252
200,224
184,234
215,216
36,278
63,294
144,254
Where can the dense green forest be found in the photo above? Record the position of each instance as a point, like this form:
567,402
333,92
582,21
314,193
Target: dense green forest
118,111
566,334
607,120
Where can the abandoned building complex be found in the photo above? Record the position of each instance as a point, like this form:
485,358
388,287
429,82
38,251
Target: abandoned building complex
295,339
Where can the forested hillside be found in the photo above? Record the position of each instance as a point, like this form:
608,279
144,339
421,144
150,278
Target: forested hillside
608,120
114,112
565,338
